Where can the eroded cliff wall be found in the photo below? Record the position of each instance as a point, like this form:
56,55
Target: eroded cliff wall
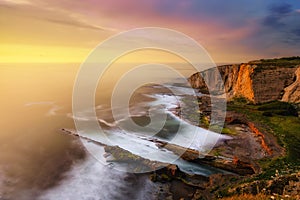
257,81
292,92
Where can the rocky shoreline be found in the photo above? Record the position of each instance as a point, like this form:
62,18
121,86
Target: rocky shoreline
252,144
227,156
240,155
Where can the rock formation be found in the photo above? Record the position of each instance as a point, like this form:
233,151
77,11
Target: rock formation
258,81
292,92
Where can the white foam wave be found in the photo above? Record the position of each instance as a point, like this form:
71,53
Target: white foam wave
91,180
53,110
40,103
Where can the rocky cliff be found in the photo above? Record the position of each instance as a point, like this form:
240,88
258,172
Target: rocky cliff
292,92
258,81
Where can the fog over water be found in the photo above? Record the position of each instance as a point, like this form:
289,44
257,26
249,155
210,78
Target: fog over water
37,162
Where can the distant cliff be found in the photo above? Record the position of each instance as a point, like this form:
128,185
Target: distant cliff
258,81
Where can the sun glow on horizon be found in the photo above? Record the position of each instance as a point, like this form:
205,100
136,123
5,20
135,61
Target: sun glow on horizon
18,53
64,31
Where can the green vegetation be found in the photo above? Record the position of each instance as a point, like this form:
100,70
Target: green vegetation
280,119
240,100
204,121
222,130
294,59
285,61
216,152
278,108
228,131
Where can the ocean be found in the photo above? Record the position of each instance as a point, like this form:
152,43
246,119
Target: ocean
37,161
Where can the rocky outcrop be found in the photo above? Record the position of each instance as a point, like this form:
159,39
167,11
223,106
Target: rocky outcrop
268,145
292,92
286,185
264,144
257,81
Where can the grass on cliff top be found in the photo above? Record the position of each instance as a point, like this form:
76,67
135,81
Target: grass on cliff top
281,120
285,61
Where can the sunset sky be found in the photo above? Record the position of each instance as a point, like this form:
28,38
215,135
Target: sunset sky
67,30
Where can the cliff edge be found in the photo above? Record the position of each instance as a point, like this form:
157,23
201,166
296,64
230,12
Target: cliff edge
258,81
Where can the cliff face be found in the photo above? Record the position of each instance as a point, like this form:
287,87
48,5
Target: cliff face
257,81
269,84
292,92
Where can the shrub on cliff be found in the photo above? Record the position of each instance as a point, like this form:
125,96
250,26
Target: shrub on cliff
278,108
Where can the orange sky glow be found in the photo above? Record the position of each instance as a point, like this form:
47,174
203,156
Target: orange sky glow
67,31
